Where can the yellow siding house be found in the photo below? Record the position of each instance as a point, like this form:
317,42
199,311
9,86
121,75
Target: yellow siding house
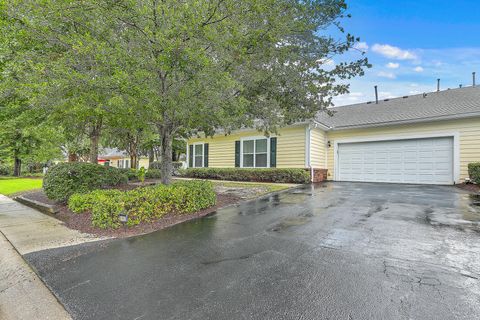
421,139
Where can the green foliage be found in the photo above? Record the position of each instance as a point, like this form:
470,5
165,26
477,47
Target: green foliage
257,175
474,172
155,165
180,66
141,174
143,204
65,179
153,174
5,170
131,173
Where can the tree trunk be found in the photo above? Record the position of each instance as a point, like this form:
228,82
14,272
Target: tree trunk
151,155
133,161
17,167
166,167
94,147
72,157
94,139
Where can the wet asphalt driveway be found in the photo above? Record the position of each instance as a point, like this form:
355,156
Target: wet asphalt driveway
333,251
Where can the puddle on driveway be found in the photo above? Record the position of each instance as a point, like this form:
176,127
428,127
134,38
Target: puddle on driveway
290,222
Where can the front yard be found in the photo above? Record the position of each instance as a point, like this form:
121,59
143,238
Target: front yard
227,193
10,185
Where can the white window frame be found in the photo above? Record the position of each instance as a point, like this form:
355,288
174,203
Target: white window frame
203,154
254,149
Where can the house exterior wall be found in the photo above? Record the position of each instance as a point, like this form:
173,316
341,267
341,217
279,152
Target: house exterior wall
143,162
467,130
318,148
290,147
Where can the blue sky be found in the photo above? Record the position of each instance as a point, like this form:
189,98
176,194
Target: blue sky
412,43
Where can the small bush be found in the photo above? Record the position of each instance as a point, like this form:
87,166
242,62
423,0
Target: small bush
176,166
256,175
143,204
155,165
474,172
141,174
65,179
153,174
5,170
131,173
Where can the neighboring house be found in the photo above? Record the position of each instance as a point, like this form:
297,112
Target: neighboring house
119,159
427,139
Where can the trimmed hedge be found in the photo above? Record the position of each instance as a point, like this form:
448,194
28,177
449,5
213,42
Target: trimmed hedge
243,174
143,204
64,179
131,173
153,174
474,172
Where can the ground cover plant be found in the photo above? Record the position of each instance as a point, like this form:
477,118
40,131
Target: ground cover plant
143,204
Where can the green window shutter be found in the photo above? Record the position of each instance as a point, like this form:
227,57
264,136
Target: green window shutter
273,152
205,155
237,154
190,156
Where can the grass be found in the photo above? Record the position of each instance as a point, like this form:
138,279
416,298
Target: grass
10,185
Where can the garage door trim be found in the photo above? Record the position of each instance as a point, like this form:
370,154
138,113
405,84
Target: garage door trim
456,146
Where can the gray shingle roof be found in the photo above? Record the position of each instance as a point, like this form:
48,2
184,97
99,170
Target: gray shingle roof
447,104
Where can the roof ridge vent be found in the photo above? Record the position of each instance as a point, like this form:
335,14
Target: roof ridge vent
369,102
405,97
386,99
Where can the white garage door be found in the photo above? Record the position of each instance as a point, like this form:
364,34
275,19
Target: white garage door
424,161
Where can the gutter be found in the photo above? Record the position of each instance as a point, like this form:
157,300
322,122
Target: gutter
308,149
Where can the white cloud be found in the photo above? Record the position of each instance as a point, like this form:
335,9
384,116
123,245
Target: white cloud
385,95
418,69
350,98
389,75
392,52
327,62
362,46
393,65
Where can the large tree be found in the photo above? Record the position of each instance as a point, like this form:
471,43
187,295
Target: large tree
196,65
25,134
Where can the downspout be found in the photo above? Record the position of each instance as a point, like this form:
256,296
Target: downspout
188,156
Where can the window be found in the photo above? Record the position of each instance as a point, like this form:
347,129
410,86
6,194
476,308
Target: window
198,155
255,153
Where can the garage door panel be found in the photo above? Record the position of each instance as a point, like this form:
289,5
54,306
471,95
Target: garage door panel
427,161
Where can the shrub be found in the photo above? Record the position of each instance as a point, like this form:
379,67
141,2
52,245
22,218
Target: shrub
131,173
5,170
65,179
474,172
153,174
256,175
144,203
154,165
141,174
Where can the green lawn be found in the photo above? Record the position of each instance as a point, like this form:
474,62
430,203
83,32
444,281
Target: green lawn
9,185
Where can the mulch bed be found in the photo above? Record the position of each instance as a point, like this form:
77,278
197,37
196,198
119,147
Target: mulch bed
82,222
469,187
